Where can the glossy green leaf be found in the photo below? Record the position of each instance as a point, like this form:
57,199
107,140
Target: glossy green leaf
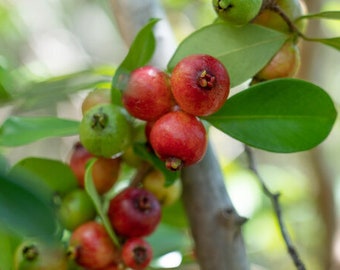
243,50
97,201
25,209
140,53
54,174
332,15
17,131
142,151
283,115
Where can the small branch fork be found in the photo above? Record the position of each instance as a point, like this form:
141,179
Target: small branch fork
274,197
273,5
141,172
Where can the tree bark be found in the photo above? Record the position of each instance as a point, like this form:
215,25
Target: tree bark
131,16
215,225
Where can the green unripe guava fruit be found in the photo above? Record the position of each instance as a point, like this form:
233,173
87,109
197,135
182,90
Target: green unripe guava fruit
238,12
105,130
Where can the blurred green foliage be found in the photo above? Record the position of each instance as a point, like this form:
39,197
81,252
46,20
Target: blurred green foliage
265,245
26,84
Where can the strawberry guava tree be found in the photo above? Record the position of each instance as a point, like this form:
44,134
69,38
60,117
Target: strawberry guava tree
143,140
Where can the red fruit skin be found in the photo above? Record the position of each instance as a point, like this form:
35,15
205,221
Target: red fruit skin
93,247
136,253
105,171
187,88
134,212
179,135
113,266
147,95
78,159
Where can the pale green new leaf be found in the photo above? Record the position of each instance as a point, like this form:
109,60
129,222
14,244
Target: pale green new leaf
91,190
331,15
332,42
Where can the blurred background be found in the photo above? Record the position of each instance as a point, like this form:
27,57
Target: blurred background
47,40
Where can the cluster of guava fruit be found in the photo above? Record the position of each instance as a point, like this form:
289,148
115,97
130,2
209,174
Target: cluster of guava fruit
162,111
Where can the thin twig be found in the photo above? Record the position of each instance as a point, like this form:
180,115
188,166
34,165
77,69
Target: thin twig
284,16
275,7
292,27
274,197
141,172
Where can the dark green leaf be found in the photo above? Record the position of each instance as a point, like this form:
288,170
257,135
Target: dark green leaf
142,151
283,115
243,50
332,15
54,174
17,131
140,53
25,209
91,190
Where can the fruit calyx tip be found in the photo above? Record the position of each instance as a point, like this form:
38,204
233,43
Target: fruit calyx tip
99,121
206,80
174,164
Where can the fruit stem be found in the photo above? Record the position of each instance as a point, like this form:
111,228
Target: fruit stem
142,171
173,164
99,121
275,7
206,80
224,4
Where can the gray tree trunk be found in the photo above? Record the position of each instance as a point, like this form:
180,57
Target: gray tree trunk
215,225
